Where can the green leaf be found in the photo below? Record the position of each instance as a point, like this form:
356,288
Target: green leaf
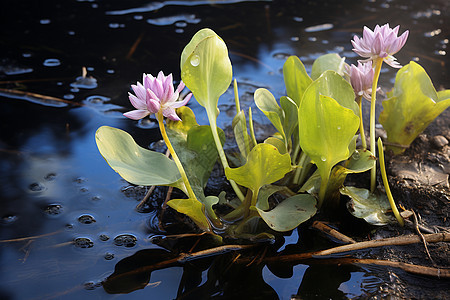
264,165
295,78
266,102
412,106
206,68
330,61
368,206
134,163
193,209
290,113
241,135
326,128
274,141
290,213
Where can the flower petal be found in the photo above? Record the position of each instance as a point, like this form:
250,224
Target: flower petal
137,102
183,102
137,114
171,114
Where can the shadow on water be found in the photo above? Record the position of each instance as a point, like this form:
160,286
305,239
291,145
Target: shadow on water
78,221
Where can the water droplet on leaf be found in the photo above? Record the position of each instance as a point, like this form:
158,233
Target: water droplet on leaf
323,158
356,155
195,60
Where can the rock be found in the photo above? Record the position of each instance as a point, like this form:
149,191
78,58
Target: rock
439,141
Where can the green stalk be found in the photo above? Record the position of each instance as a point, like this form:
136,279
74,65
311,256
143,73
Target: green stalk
223,159
177,161
373,172
361,125
322,191
386,184
250,126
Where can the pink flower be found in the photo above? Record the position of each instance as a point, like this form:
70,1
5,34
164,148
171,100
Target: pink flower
382,42
361,78
157,94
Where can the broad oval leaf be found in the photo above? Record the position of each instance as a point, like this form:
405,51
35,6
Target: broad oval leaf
193,208
296,79
290,213
325,130
134,163
264,165
411,107
330,61
267,103
368,206
206,68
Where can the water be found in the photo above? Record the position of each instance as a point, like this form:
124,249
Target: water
58,190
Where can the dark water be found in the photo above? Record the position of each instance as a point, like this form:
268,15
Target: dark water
55,183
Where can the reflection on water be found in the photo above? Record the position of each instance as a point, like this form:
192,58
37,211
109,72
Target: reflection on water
57,189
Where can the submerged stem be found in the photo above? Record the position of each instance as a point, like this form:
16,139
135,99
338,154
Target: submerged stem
177,161
361,124
322,191
386,184
373,173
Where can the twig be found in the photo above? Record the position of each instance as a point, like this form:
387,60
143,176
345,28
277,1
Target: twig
394,241
416,223
185,257
146,197
134,46
30,237
39,96
332,232
410,268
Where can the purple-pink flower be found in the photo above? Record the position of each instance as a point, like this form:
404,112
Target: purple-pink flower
382,42
361,78
156,94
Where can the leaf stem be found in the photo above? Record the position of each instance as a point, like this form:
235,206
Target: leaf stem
373,172
322,191
222,156
177,161
386,184
361,124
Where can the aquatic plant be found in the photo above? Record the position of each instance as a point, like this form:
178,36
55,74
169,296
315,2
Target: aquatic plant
305,162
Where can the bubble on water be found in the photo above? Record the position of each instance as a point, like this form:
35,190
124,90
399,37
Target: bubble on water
441,52
69,96
52,62
312,39
114,25
323,158
181,24
138,17
96,99
91,285
83,243
179,30
110,71
356,155
26,55
86,219
103,237
109,256
71,32
8,219
96,198
53,209
50,176
298,19
125,240
195,60
45,21
36,187
295,38
84,190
